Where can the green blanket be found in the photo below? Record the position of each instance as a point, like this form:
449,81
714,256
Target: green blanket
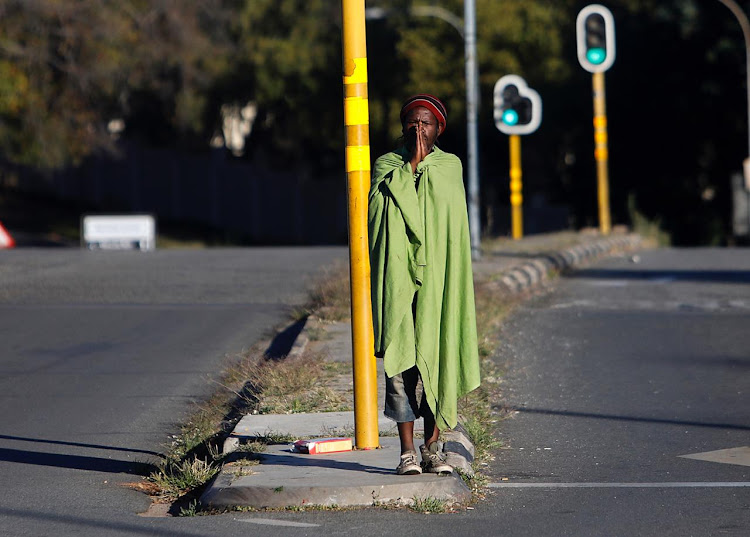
419,243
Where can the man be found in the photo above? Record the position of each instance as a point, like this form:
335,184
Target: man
422,283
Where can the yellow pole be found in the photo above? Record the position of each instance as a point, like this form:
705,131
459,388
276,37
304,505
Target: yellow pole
516,198
601,154
356,119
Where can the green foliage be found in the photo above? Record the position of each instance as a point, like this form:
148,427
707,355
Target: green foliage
191,510
68,68
292,52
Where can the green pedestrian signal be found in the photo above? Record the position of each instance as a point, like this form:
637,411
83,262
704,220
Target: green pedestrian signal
595,38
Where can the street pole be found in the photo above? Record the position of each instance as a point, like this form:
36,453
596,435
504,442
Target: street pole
516,196
356,119
595,47
601,153
470,52
745,25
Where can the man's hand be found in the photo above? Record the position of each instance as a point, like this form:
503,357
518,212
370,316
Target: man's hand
420,147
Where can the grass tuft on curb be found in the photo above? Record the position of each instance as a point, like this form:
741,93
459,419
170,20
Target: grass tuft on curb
178,477
428,505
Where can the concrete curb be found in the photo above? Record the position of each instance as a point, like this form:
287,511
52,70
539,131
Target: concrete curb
353,478
458,449
531,273
455,444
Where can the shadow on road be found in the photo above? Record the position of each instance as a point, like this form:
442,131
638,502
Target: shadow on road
282,344
614,417
717,276
76,444
75,462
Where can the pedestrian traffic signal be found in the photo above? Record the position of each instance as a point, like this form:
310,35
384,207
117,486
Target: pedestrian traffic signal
595,38
518,108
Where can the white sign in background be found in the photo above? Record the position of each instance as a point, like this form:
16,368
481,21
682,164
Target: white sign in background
119,232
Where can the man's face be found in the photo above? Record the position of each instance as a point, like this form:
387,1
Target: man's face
421,118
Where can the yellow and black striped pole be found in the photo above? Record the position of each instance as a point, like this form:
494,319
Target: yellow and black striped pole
601,153
516,196
356,119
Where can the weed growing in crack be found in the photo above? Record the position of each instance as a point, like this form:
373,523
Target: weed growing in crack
428,505
176,478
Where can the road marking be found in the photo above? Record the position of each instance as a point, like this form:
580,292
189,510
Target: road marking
609,283
274,522
687,484
738,455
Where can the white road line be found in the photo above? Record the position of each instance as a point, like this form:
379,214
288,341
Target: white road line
687,484
274,522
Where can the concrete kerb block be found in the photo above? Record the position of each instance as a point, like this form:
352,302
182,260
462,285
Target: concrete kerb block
542,265
532,272
458,449
556,260
510,283
571,257
520,277
300,344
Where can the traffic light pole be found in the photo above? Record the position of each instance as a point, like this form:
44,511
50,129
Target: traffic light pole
470,53
516,197
601,153
739,13
356,119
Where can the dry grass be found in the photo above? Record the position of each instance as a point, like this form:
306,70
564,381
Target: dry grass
535,244
292,385
330,294
176,478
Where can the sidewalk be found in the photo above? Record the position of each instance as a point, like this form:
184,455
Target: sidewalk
366,477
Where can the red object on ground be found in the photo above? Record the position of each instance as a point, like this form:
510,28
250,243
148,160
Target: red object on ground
6,241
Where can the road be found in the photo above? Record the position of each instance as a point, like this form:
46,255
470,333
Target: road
616,375
103,353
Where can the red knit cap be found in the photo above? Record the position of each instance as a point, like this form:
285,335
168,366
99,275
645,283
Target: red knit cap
430,102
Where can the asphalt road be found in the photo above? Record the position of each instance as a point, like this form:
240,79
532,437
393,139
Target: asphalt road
616,374
103,353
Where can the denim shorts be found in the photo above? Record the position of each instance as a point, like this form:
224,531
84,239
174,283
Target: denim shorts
402,401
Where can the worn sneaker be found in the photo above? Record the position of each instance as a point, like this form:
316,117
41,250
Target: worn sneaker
433,460
408,464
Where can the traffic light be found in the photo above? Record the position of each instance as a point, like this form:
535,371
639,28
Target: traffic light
595,38
518,108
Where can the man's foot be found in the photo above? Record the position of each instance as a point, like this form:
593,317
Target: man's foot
408,464
433,461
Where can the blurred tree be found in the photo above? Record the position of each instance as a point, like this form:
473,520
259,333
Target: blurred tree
287,59
69,68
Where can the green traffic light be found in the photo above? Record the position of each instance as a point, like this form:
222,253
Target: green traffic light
596,55
510,117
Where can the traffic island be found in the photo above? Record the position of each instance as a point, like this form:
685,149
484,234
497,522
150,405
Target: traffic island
285,479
